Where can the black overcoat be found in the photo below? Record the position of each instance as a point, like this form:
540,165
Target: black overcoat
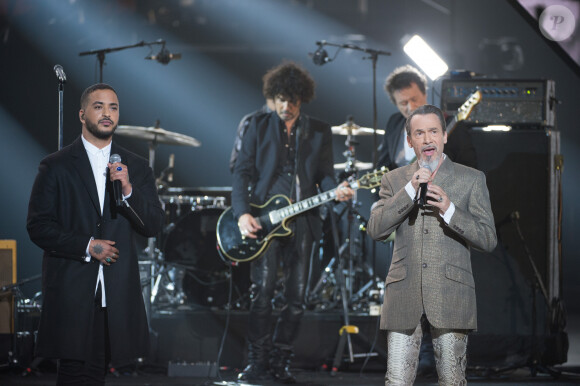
63,214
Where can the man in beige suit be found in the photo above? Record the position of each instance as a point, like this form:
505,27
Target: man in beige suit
430,274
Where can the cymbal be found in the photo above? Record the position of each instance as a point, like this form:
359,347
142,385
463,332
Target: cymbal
158,135
359,165
354,129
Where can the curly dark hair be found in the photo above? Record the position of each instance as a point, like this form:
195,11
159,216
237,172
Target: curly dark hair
91,89
402,77
290,80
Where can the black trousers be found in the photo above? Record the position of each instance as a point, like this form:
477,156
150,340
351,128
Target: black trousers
293,253
91,372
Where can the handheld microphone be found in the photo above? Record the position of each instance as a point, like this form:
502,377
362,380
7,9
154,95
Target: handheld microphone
60,73
117,191
423,189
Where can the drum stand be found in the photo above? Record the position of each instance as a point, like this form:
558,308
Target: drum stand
161,282
356,235
19,301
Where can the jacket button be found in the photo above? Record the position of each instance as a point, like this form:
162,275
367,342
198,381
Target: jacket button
425,231
424,265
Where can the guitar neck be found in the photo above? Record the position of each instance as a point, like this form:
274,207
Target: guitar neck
277,216
451,125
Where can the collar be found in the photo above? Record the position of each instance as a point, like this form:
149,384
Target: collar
93,150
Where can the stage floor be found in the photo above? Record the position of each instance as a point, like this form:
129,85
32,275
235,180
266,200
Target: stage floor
192,338
309,378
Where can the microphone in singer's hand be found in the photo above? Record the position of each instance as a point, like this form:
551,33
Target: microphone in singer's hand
423,193
423,189
117,191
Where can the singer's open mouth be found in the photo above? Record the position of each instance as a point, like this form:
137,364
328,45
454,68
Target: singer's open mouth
429,150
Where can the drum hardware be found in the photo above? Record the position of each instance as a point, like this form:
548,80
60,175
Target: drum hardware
351,128
359,165
191,273
165,285
19,303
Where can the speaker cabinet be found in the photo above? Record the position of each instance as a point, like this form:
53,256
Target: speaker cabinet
7,277
522,181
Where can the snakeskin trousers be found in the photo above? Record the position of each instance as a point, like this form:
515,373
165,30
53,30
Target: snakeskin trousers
449,346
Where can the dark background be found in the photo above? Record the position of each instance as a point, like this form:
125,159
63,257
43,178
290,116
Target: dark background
226,46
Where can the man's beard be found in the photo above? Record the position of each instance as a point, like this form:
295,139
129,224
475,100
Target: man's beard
430,162
94,130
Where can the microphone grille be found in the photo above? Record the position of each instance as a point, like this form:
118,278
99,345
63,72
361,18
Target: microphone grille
114,158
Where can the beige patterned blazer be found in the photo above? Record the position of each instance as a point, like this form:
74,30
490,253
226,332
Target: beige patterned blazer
431,266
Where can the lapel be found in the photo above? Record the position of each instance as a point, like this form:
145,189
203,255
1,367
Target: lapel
413,167
83,166
445,171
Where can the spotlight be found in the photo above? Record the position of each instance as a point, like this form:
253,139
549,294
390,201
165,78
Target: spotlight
425,57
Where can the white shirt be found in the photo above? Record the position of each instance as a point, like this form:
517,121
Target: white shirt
99,159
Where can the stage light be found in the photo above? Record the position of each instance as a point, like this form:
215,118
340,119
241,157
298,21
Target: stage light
425,57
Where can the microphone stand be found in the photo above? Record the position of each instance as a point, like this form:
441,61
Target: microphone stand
60,112
101,53
374,56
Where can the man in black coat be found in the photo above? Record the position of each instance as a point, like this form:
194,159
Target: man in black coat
93,310
283,152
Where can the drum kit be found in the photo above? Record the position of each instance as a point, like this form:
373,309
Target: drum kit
181,267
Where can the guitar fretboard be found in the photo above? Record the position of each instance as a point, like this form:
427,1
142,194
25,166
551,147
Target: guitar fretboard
276,216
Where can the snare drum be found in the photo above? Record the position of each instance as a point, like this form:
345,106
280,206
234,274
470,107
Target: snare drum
176,206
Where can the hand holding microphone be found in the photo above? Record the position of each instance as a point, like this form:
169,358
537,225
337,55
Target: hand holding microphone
419,182
119,175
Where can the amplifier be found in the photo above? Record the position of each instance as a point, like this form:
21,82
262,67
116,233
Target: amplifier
529,103
7,277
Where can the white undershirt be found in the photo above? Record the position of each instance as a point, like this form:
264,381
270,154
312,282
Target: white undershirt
99,159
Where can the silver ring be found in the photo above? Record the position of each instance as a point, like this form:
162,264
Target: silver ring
417,177
108,260
440,198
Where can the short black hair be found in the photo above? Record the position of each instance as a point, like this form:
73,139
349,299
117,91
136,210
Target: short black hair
290,80
424,110
91,89
403,77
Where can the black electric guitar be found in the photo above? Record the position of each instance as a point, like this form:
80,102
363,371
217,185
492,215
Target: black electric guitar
274,217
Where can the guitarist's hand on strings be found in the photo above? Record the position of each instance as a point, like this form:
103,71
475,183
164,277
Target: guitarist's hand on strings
248,226
344,192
